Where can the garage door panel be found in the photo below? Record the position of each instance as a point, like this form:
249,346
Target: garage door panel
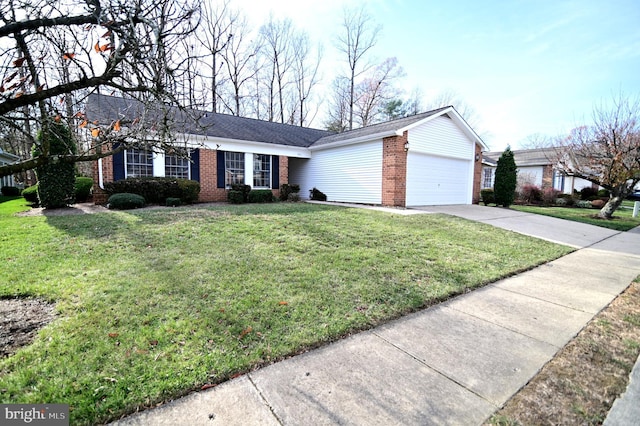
435,180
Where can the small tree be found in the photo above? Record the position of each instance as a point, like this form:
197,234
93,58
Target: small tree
606,152
506,179
56,187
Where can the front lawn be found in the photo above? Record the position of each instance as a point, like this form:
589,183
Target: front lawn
153,304
622,220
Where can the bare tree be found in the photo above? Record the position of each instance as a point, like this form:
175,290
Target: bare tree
219,22
239,58
121,45
305,74
357,37
606,152
278,49
338,111
451,97
373,93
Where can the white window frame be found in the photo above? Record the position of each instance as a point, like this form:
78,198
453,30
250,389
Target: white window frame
138,152
183,162
262,175
233,173
485,177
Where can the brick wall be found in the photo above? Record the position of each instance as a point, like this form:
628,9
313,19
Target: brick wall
477,175
209,191
394,171
99,196
547,176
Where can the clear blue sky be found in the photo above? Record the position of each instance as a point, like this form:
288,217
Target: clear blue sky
525,66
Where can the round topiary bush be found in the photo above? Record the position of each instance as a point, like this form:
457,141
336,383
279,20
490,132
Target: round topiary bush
125,201
83,188
31,194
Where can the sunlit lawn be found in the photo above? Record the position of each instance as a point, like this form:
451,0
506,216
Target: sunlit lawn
153,304
622,220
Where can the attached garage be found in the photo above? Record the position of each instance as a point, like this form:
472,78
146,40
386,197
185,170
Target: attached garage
433,180
426,159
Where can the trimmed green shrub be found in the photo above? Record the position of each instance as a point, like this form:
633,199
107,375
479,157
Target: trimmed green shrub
506,179
10,191
286,190
173,202
317,195
235,197
588,193
260,196
294,197
31,194
562,202
568,198
243,189
56,179
83,188
156,190
583,204
487,196
604,193
189,190
125,201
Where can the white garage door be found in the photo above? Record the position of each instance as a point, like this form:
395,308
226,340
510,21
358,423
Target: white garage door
433,181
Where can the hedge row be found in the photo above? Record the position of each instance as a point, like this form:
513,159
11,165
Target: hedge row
156,190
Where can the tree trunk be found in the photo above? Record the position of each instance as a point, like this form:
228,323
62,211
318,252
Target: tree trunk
612,205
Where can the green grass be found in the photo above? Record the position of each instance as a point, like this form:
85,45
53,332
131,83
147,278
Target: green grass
622,220
153,304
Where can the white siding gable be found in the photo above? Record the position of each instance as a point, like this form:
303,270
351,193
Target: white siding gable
441,137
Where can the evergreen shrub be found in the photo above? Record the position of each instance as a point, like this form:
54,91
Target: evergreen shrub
56,179
31,194
83,187
125,201
260,196
488,197
506,179
235,197
10,191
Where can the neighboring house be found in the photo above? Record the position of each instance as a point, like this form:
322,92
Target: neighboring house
535,166
6,158
426,159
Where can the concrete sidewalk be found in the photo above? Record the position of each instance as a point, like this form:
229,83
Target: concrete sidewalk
455,363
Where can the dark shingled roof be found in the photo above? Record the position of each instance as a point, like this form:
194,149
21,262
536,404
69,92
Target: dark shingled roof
106,109
374,129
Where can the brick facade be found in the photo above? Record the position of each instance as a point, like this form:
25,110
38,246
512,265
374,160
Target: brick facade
394,171
209,191
477,175
547,176
99,196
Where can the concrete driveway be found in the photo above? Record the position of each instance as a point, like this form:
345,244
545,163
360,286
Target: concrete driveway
561,231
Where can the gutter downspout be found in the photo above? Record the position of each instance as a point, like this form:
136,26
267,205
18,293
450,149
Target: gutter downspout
100,180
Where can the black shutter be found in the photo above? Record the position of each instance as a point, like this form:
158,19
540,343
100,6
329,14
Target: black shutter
118,164
275,172
220,168
195,165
